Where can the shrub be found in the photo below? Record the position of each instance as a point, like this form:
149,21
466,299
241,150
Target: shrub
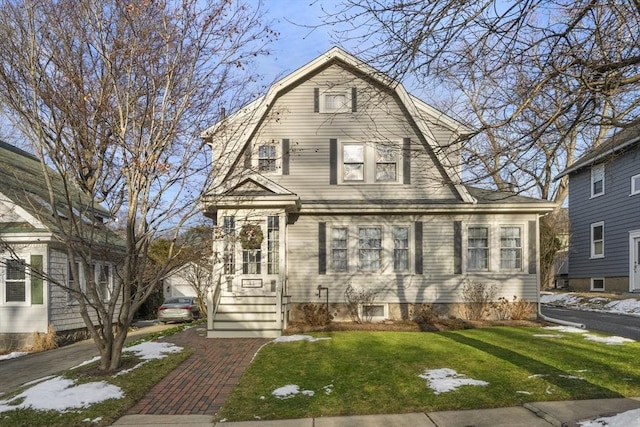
356,299
502,309
45,341
521,309
425,317
477,298
316,314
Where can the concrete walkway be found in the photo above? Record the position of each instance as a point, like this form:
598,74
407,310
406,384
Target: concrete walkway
537,414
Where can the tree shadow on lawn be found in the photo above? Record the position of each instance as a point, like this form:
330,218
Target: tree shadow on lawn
558,377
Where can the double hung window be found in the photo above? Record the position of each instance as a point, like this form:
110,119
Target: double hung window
267,155
400,249
370,163
510,248
15,281
339,249
597,240
597,180
478,248
273,244
369,248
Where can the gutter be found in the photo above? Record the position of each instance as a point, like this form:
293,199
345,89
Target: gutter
540,315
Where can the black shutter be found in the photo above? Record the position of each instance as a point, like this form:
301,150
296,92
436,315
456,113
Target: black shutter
533,264
316,100
333,161
406,161
247,157
418,247
354,99
322,248
457,247
285,157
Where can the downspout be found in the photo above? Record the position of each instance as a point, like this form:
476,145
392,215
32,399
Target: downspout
540,315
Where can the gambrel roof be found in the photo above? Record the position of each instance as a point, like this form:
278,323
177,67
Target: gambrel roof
232,135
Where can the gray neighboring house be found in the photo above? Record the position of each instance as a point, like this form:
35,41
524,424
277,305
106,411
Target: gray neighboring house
604,216
30,303
338,176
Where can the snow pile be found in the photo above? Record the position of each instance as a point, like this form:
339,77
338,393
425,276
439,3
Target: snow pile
560,299
569,329
292,338
445,379
625,306
624,419
13,355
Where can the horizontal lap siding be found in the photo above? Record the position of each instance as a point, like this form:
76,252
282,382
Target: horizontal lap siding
437,284
619,211
292,117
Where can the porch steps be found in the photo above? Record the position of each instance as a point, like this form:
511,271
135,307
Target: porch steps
246,317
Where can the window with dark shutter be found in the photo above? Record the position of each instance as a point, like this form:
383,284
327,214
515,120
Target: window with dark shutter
457,247
285,157
406,161
322,248
418,247
333,161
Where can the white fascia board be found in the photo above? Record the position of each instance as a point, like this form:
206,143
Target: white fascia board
27,238
440,209
32,220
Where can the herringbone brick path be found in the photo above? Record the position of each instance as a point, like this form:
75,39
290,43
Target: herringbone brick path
203,382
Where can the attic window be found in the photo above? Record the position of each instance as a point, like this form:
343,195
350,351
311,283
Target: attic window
267,155
335,100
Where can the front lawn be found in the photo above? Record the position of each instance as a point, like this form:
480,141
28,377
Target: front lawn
379,372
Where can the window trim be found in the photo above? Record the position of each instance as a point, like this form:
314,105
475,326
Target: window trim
83,282
26,281
520,248
255,159
592,241
488,248
109,289
379,250
593,288
330,240
385,310
597,171
369,163
635,189
346,108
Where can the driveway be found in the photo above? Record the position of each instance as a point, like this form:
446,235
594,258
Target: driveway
614,324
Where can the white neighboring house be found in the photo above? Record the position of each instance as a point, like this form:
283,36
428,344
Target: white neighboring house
180,283
338,176
29,303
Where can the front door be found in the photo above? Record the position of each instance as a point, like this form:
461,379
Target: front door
634,275
256,258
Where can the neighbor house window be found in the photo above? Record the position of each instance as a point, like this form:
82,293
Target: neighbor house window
15,281
510,248
386,163
597,240
478,248
635,184
74,280
369,248
400,249
229,239
353,162
104,279
339,252
267,155
597,180
597,284
273,244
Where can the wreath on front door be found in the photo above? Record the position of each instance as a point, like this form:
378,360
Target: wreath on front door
251,236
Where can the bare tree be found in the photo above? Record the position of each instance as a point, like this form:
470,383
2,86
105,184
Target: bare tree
546,80
111,95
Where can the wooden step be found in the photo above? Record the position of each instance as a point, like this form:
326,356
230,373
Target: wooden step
243,333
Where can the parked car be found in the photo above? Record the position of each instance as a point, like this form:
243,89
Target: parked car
183,309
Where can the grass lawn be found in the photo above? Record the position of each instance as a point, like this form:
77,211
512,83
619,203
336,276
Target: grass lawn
378,372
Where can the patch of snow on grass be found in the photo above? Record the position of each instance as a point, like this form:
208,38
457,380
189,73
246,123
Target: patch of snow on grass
569,329
624,419
60,394
153,350
286,392
445,379
309,393
328,389
292,338
609,340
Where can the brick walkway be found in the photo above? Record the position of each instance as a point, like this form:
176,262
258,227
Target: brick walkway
205,380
